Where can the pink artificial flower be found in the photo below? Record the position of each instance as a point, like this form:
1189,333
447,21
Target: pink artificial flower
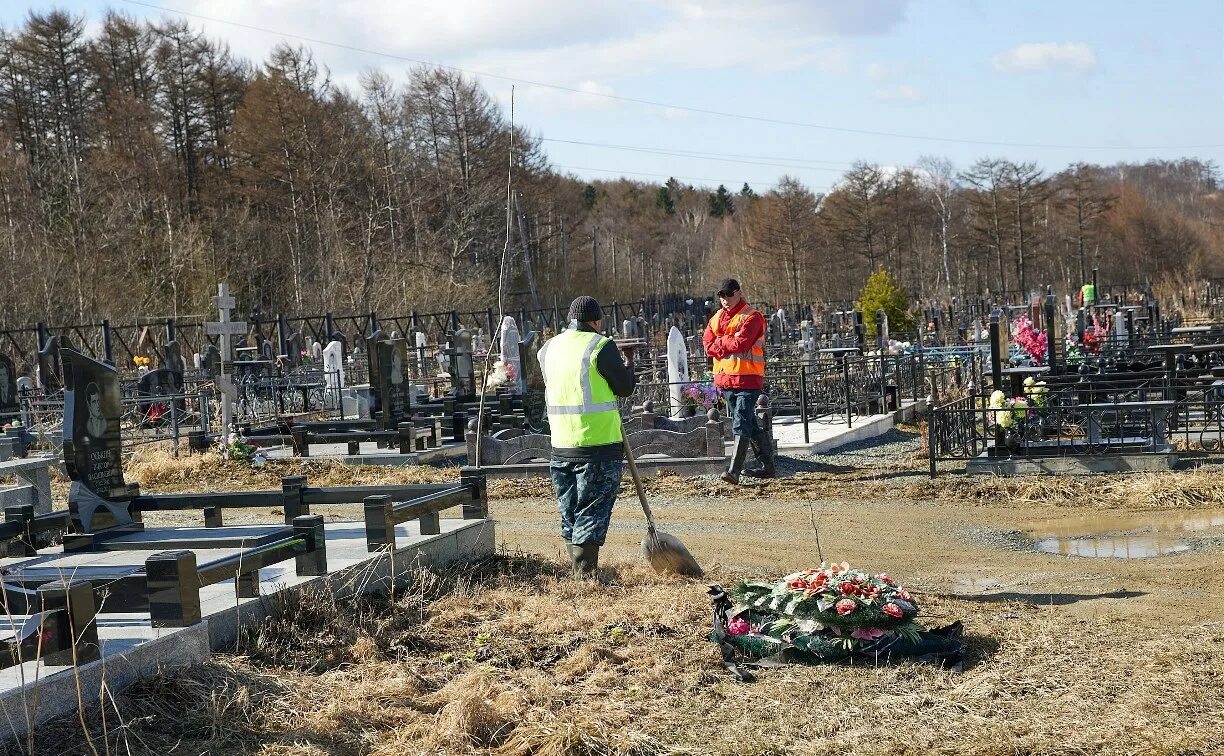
738,626
845,606
867,633
885,579
894,611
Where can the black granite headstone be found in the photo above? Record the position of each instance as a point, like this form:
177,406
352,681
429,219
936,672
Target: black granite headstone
160,382
394,383
92,444
9,405
212,361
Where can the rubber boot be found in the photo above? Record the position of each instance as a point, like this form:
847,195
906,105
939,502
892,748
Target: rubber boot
762,449
738,451
585,559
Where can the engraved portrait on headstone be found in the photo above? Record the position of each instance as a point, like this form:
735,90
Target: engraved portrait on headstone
91,425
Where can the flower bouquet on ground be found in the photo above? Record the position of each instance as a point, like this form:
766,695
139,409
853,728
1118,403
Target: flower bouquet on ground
829,614
233,447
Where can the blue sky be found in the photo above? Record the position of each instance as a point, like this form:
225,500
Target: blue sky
1053,82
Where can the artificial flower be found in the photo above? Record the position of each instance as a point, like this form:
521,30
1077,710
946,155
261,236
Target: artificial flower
845,606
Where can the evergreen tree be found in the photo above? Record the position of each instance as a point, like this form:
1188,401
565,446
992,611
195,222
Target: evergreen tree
664,201
721,204
882,292
589,196
747,192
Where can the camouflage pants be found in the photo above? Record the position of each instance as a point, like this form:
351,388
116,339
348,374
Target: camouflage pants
586,491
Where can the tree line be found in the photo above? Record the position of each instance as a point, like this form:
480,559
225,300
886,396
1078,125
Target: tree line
141,165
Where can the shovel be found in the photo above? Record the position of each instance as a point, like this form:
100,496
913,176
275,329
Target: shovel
664,551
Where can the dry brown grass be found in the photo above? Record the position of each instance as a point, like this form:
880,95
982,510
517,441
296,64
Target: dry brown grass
513,658
157,470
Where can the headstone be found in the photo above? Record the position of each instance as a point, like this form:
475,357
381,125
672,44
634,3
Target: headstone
316,350
1119,324
161,382
510,352
50,369
462,368
92,444
531,376
677,368
394,385
9,404
333,366
777,327
376,338
295,350
422,350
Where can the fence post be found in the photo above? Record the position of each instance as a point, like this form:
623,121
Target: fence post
930,418
803,401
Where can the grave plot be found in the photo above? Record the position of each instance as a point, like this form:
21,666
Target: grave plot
1125,404
146,583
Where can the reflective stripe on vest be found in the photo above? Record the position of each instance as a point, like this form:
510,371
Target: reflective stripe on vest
748,362
582,408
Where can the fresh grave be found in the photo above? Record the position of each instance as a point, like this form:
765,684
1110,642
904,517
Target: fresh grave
829,614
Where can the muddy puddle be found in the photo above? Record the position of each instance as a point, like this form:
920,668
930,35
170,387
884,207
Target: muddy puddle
1125,535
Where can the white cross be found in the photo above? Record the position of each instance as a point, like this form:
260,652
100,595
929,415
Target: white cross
225,328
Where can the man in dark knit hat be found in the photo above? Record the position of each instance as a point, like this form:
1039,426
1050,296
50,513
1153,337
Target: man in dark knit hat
583,375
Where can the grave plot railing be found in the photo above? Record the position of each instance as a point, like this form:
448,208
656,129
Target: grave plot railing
969,427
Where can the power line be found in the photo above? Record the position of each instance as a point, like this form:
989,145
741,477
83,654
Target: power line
657,104
672,175
720,157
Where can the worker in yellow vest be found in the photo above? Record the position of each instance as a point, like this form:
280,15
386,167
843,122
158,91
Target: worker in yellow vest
735,339
583,375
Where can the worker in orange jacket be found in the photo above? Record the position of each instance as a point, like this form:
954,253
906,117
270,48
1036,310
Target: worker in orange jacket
735,339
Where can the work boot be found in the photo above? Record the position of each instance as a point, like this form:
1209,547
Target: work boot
585,558
762,448
738,451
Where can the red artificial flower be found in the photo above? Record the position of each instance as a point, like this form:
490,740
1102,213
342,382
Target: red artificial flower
885,579
845,606
903,596
894,611
847,588
820,580
859,579
798,584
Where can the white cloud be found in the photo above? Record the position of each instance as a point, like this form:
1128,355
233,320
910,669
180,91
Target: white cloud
899,93
1042,56
877,72
586,46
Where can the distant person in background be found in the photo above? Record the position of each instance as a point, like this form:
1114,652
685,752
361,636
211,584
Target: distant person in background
735,339
1087,295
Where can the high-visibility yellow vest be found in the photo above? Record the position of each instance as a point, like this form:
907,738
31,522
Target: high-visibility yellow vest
581,405
750,362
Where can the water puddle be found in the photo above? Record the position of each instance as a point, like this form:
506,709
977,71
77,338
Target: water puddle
1117,547
1139,535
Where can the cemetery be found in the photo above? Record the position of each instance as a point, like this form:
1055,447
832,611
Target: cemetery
112,583
381,379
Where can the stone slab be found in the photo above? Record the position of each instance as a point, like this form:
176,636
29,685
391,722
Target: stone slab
132,649
1073,464
371,454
